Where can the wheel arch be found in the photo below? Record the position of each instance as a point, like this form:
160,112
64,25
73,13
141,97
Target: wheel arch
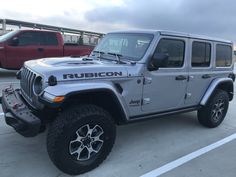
225,84
102,97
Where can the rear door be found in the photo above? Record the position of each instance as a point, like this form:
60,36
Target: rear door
50,45
200,70
164,89
27,49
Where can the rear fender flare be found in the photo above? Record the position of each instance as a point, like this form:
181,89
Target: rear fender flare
213,86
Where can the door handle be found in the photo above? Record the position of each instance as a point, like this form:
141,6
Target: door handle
180,78
40,49
206,76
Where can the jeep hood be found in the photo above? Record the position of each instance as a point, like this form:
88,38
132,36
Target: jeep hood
68,68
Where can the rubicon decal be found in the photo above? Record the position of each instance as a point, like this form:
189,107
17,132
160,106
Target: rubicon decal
92,75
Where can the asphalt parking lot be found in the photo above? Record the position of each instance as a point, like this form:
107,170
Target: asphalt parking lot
140,148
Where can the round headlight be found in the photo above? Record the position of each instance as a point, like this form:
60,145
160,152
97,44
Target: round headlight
38,85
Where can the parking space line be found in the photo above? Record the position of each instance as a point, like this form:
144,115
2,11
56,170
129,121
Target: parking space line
178,162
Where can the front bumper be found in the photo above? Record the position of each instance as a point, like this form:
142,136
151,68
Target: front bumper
18,114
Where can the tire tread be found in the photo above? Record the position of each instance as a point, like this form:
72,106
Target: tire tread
65,120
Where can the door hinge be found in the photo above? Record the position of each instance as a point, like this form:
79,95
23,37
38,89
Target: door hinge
187,95
191,77
146,101
147,80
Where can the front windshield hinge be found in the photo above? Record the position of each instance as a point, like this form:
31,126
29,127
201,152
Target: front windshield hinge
100,53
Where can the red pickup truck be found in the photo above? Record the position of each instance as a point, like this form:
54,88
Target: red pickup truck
18,46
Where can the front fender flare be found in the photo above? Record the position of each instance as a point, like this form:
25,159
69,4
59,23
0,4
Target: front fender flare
69,90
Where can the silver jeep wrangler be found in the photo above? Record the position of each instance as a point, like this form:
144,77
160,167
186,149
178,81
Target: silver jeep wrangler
130,76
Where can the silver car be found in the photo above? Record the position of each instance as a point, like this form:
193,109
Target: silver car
130,76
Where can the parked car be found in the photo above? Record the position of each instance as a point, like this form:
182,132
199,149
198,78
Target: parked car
129,76
18,46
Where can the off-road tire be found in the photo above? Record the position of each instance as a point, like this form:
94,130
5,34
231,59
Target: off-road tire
63,128
205,114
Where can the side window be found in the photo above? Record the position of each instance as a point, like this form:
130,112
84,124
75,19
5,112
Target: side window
49,39
174,48
201,54
223,55
28,38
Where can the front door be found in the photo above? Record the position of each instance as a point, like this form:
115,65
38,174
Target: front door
165,88
28,48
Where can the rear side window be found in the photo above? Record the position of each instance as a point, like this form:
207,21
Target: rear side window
29,38
201,54
174,48
223,55
49,39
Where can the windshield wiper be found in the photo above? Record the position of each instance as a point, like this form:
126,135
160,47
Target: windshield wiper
119,56
100,55
116,55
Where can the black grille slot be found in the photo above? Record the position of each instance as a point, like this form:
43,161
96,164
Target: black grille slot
26,82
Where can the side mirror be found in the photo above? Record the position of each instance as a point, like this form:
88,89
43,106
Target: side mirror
158,60
14,42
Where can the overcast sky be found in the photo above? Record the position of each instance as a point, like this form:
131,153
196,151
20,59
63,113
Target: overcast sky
208,17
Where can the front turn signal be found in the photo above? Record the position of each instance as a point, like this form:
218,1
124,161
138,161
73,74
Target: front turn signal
58,99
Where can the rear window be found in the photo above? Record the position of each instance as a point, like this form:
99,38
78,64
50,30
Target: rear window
49,39
201,54
223,55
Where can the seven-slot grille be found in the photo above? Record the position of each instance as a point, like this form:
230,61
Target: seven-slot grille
26,82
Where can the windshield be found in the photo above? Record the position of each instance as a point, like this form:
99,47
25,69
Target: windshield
130,45
7,36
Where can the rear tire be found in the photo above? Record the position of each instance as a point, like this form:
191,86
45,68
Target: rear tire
80,138
213,113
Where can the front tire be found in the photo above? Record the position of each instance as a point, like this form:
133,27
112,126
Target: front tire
80,138
213,113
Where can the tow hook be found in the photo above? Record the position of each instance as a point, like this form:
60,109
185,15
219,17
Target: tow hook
9,90
17,106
